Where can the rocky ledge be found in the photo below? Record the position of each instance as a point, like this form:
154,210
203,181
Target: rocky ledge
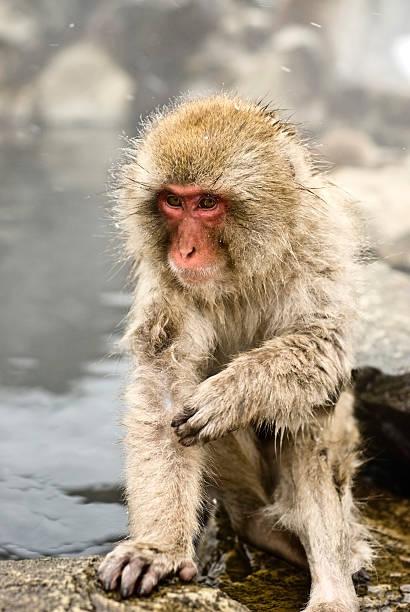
383,376
233,577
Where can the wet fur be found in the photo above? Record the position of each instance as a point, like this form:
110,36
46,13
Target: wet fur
268,346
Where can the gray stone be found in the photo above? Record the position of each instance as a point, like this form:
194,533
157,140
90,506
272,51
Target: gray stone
383,356
384,342
345,146
242,578
383,378
81,85
378,589
382,197
45,585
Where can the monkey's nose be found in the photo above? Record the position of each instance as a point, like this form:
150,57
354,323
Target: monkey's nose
186,252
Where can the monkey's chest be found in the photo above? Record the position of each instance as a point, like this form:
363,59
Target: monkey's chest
236,337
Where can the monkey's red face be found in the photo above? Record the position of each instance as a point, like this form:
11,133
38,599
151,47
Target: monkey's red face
194,219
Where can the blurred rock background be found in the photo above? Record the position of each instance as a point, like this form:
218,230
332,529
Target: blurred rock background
338,65
75,76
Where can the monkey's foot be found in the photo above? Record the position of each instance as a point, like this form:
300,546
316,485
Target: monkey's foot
137,569
332,606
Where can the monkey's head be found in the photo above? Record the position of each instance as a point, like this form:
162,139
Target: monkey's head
210,192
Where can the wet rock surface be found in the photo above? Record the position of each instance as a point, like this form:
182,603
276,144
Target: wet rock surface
384,333
383,409
383,377
233,577
47,585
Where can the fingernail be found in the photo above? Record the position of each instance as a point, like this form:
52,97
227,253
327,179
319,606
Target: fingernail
124,592
107,585
186,441
142,591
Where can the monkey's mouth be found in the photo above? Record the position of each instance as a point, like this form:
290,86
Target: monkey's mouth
196,276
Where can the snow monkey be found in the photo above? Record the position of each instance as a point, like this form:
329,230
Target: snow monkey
241,341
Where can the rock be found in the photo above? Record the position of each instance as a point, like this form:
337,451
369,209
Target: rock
383,359
290,65
399,258
347,146
175,599
17,28
383,407
241,578
381,112
383,376
384,342
54,584
382,197
81,85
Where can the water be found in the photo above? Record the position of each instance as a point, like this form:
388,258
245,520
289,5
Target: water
61,307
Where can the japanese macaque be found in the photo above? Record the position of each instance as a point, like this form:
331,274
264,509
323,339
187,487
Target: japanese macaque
241,339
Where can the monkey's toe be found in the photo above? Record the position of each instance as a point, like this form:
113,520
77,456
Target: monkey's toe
110,571
188,571
130,575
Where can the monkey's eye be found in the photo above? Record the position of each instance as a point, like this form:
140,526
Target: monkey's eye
174,201
207,202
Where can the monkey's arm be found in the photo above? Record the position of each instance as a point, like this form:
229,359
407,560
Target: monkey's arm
288,382
163,479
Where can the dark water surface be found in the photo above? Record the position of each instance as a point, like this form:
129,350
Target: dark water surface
61,306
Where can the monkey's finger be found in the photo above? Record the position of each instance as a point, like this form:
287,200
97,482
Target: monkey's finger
110,570
130,575
193,427
199,438
189,440
182,417
202,434
188,571
150,579
184,430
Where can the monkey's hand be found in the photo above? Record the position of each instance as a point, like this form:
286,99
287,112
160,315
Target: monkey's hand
211,412
131,564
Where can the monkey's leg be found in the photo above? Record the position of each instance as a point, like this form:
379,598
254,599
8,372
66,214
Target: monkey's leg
163,483
313,499
244,482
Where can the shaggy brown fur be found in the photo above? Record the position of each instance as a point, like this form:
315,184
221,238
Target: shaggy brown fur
267,347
